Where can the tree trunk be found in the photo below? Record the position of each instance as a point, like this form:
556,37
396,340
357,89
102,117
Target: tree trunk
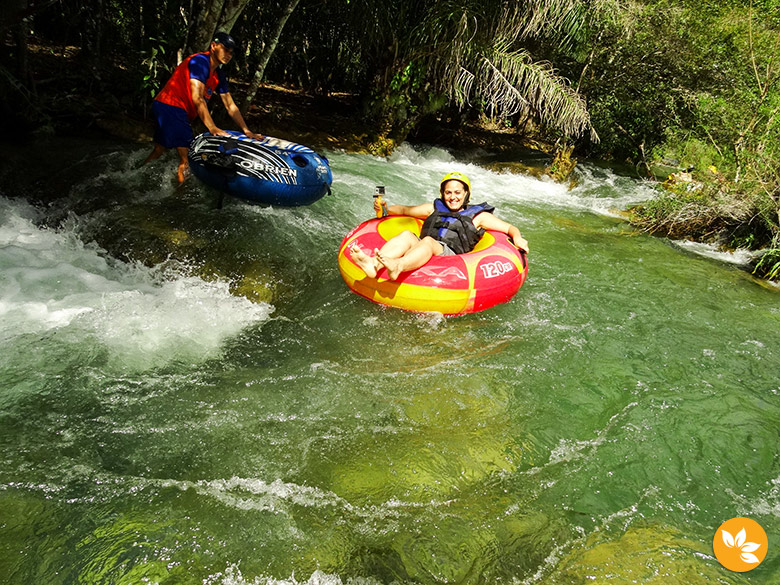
99,24
213,16
22,64
205,26
188,21
230,13
270,46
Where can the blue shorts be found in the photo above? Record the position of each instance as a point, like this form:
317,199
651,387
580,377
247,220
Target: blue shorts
173,126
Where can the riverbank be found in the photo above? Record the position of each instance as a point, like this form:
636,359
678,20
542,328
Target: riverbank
710,209
103,100
334,122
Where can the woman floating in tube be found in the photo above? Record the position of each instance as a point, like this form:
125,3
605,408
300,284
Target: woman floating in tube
451,226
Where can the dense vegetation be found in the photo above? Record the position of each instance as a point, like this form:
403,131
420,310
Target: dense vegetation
670,86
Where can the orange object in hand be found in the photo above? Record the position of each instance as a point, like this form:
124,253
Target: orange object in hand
378,192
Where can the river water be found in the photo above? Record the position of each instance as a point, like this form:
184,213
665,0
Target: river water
192,395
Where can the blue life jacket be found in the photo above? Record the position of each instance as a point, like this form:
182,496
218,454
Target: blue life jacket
455,228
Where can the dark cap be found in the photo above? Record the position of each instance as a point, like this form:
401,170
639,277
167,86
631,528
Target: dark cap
224,39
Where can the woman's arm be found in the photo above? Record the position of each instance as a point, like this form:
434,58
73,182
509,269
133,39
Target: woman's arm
418,211
489,221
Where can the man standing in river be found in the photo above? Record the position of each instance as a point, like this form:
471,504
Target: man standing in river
185,97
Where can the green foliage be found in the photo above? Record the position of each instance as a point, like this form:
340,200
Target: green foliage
768,265
675,71
153,66
678,86
317,51
682,149
403,56
407,98
693,206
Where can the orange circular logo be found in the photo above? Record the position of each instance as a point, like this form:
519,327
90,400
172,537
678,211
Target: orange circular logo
740,544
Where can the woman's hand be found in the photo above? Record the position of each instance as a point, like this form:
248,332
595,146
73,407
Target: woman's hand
520,243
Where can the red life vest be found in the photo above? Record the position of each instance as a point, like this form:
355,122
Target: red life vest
177,91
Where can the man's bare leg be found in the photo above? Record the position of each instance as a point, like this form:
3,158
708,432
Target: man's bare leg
156,153
184,165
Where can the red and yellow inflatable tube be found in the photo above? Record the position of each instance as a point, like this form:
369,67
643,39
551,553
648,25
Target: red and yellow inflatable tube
453,285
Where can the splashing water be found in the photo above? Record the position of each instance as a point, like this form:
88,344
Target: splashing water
192,395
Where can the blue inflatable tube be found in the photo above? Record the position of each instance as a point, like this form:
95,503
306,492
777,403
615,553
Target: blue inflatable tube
269,171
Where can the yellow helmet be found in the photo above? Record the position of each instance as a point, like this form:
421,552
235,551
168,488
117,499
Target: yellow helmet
458,177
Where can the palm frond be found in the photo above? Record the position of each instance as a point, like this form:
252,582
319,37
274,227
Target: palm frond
510,81
562,20
566,22
461,89
447,39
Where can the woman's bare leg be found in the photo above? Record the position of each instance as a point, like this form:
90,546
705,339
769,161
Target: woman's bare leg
416,256
399,245
368,264
395,247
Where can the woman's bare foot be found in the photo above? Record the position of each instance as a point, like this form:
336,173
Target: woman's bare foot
393,265
367,263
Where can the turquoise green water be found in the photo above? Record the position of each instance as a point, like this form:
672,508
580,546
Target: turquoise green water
156,428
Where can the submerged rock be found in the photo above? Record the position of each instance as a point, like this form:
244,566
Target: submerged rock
655,554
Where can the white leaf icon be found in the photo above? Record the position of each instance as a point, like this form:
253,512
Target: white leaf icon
728,540
744,548
749,557
740,540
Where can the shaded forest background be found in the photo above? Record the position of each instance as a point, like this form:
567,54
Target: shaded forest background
672,87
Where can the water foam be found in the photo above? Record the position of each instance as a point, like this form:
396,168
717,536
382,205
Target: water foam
233,576
144,316
740,257
602,191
